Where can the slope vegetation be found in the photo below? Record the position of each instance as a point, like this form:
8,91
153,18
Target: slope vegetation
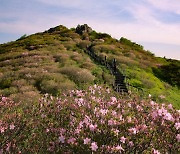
54,61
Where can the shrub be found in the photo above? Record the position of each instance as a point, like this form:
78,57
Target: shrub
92,121
78,75
104,48
84,44
133,45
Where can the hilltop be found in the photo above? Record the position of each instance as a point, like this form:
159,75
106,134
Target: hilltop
54,62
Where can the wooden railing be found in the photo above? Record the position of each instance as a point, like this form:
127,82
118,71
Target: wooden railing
124,86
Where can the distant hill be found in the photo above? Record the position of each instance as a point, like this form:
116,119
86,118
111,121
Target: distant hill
54,61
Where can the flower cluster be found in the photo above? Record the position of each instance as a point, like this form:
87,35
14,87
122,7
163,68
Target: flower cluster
91,121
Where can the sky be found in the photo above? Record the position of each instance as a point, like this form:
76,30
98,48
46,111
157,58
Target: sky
155,24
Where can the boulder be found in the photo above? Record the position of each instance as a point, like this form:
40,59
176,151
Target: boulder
81,29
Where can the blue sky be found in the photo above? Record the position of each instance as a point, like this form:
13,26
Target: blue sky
152,23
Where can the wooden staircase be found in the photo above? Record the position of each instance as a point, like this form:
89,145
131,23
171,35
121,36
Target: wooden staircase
119,83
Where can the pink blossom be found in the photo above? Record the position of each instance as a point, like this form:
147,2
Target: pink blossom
2,129
103,111
87,141
119,148
178,137
170,106
169,117
116,131
62,130
92,127
123,139
62,139
110,122
81,124
94,146
160,112
114,113
113,99
71,140
12,126
79,101
154,114
177,125
156,151
133,130
152,103
139,108
77,131
4,99
131,144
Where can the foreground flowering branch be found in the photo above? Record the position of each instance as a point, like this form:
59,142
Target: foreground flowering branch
89,121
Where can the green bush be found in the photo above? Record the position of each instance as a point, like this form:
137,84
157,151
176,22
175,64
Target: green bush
133,45
84,44
78,75
104,48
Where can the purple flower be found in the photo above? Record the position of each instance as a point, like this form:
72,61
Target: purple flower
62,139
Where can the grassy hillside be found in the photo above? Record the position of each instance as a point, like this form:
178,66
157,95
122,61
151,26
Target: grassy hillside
54,61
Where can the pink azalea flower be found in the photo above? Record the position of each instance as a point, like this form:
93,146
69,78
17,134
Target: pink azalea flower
77,131
87,141
92,127
113,99
152,103
116,131
123,139
2,129
133,130
114,113
178,137
103,111
177,125
119,148
156,151
94,146
4,99
170,106
12,126
62,139
71,140
110,122
131,144
47,130
169,117
154,115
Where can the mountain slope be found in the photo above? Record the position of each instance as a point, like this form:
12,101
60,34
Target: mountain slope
54,61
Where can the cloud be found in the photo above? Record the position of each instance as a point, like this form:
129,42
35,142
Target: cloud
166,5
